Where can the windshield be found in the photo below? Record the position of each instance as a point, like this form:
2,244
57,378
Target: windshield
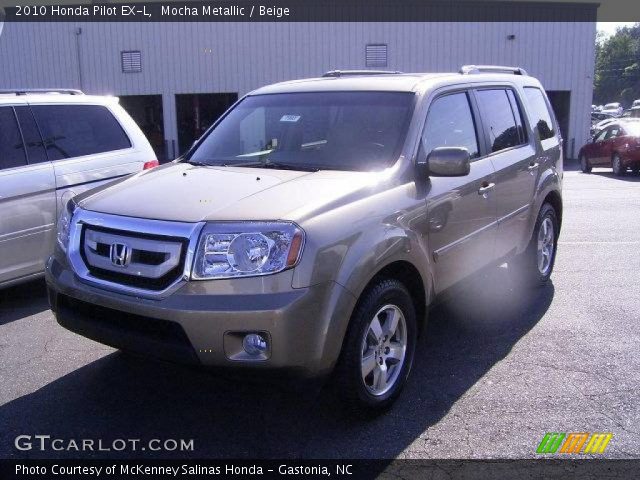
632,129
320,130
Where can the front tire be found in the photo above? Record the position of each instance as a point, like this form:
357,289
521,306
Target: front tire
535,264
585,166
378,349
618,168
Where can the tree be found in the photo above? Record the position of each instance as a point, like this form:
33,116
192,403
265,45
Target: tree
617,69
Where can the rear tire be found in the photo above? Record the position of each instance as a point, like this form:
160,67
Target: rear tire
378,349
618,168
535,265
585,166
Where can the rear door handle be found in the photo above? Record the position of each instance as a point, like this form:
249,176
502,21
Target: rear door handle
486,188
533,166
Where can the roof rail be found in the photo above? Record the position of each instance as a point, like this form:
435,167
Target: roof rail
27,91
344,73
475,69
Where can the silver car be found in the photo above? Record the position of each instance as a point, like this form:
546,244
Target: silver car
55,144
311,227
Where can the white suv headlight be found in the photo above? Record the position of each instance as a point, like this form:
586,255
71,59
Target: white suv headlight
64,224
247,249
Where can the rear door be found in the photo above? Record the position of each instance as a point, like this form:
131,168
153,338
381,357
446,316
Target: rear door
27,196
461,210
513,156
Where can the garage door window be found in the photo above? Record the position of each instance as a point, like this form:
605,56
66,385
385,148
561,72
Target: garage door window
76,130
11,147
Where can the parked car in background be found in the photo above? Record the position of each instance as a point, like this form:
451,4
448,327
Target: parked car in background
599,125
634,112
636,103
614,109
55,144
616,146
599,116
311,227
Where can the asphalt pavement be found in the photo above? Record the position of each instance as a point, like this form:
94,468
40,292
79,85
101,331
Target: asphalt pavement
495,370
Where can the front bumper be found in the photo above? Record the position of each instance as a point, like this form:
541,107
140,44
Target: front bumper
203,322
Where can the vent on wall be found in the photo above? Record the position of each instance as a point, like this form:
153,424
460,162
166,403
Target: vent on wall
131,61
376,55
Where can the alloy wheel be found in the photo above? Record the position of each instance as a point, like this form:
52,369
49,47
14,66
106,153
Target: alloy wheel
384,348
546,246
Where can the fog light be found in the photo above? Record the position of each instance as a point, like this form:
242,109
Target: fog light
254,344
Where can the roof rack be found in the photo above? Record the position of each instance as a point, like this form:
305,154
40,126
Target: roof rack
27,91
344,73
475,69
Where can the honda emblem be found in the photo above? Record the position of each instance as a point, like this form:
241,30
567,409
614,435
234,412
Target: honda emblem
120,254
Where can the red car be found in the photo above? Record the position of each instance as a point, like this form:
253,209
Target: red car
616,146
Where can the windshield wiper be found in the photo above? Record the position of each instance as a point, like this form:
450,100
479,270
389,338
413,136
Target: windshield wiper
262,164
199,164
273,165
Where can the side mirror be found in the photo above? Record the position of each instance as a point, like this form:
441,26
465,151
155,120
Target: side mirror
448,162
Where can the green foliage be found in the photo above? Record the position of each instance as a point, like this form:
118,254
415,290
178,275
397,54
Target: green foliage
617,72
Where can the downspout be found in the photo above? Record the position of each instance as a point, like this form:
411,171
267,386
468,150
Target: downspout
78,32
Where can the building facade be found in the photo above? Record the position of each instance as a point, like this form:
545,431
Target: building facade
177,78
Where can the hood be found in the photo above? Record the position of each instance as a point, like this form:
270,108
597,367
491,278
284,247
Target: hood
188,193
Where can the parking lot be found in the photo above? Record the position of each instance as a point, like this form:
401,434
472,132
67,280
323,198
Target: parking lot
496,369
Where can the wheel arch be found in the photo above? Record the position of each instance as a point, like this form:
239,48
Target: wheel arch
555,200
408,274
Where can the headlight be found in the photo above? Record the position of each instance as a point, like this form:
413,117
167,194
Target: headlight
64,224
247,249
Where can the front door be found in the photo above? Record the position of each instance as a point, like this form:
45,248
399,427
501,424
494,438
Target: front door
461,210
596,151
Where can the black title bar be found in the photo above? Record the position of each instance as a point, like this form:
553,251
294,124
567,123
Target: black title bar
310,11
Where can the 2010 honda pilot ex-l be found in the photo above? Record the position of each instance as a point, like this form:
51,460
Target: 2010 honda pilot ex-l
310,228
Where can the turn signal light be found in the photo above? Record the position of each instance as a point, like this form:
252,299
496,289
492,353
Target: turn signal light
151,164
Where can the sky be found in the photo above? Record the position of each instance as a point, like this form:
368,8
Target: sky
609,28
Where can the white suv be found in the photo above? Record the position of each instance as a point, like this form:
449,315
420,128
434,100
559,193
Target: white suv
55,144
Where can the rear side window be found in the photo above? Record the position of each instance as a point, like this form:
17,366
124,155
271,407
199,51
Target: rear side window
31,136
76,130
450,124
11,146
540,115
499,118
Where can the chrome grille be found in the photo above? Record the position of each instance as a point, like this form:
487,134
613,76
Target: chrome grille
142,257
135,256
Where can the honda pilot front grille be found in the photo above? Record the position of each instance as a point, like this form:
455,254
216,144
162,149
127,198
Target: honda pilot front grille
134,256
143,261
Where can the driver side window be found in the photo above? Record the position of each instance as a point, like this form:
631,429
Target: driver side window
601,135
450,124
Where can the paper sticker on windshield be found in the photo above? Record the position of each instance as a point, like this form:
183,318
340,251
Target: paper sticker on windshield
290,118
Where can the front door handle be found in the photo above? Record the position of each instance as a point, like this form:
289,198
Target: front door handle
486,188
